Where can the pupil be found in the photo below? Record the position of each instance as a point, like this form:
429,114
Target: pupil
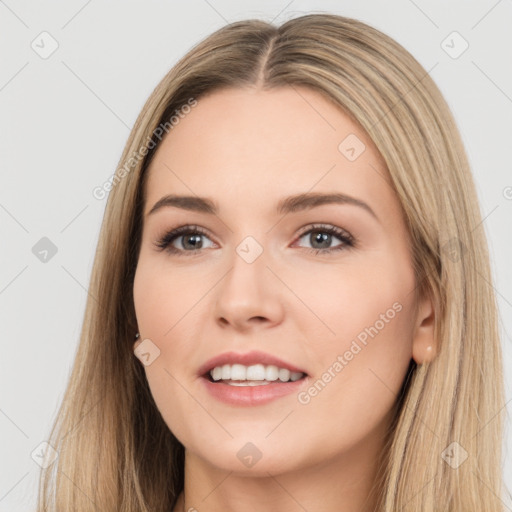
322,237
195,244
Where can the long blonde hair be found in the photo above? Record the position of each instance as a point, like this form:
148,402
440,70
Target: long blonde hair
116,452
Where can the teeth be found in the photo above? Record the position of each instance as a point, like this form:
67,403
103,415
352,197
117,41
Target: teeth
256,372
254,375
284,375
226,371
271,372
238,372
216,373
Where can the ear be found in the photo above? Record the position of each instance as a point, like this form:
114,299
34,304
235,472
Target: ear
424,348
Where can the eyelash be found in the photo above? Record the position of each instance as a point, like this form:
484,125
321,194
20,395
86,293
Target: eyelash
165,242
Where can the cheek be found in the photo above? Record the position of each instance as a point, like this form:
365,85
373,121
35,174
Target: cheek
362,299
163,298
360,341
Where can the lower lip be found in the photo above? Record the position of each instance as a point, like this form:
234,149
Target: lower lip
251,395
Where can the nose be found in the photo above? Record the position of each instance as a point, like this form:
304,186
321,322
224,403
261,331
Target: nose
249,296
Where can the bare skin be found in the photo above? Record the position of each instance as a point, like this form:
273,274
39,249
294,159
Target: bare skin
247,149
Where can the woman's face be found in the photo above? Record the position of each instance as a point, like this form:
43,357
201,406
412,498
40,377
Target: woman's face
323,286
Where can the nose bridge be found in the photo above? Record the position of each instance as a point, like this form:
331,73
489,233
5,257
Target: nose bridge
248,268
249,289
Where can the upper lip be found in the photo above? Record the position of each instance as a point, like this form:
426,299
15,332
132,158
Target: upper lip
247,359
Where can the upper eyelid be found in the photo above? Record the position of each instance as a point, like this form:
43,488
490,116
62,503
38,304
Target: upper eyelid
322,225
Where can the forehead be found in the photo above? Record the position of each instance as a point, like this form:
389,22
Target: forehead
246,146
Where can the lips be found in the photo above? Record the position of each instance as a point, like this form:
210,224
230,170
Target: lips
247,359
250,392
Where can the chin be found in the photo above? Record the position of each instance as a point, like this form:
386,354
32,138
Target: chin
248,458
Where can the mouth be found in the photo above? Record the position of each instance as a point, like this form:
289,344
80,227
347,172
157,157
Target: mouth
254,378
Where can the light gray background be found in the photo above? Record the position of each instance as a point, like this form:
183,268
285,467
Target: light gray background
65,119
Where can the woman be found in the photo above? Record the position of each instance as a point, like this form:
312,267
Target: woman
224,365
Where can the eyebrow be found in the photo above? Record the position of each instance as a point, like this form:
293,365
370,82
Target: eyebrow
290,204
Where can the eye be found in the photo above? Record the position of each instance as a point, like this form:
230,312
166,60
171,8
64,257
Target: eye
321,236
190,238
